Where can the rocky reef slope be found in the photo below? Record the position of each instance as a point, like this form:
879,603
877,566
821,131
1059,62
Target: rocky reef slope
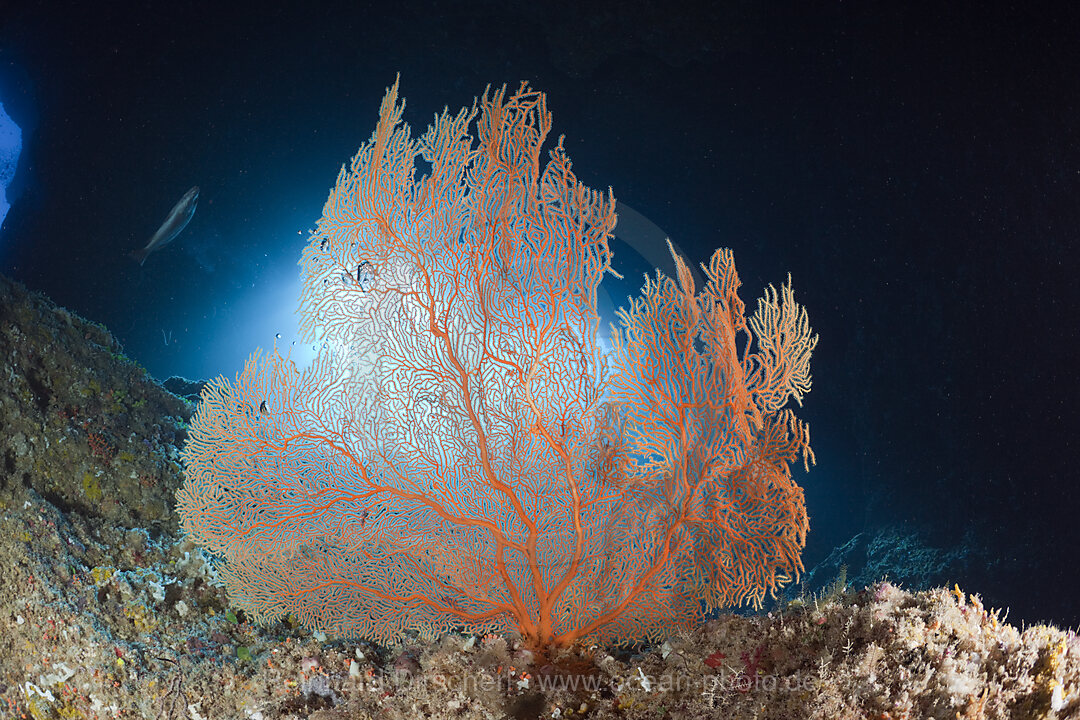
105,611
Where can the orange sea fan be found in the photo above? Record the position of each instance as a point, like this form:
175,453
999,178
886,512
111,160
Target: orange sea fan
462,453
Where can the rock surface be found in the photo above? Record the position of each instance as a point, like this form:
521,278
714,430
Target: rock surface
106,611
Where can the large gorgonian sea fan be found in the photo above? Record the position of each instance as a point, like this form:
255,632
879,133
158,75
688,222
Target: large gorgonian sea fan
461,454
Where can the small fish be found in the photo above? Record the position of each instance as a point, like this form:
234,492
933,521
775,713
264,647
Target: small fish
177,220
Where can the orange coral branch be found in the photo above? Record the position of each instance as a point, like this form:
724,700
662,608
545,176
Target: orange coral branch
461,452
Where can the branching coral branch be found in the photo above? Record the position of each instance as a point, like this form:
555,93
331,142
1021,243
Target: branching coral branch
461,452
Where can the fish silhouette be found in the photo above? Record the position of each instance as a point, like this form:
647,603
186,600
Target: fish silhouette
175,221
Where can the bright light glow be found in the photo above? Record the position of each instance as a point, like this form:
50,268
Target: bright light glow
10,147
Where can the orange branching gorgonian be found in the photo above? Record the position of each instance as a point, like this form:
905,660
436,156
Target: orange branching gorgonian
461,453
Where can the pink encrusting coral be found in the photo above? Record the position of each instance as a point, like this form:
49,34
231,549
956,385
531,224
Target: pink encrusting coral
461,453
